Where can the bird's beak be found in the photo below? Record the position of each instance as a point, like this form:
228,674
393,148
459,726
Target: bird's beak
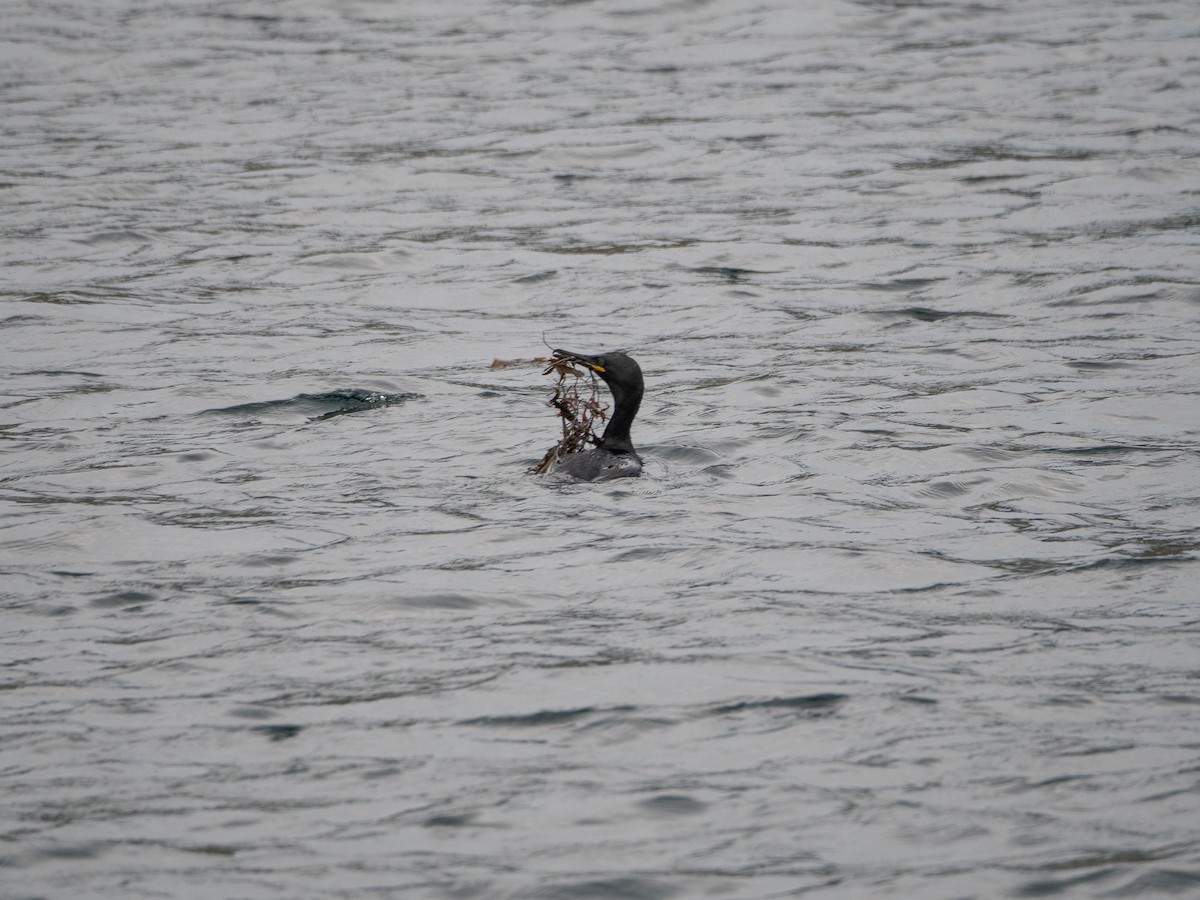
582,358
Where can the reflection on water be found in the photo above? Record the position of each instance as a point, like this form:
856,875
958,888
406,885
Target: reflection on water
902,604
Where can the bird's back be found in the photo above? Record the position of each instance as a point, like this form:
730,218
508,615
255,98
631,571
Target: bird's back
597,464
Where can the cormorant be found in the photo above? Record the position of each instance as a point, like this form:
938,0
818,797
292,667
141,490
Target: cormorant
613,456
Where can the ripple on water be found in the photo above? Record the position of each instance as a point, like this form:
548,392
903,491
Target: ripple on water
313,407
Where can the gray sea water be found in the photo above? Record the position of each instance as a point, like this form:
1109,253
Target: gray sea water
905,604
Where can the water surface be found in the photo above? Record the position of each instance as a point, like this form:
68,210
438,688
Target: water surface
904,605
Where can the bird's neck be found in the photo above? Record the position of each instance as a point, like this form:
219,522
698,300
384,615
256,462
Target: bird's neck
616,433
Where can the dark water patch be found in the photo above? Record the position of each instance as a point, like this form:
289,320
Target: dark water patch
1106,296
810,704
197,456
1099,365
1110,231
276,733
109,237
314,407
1163,549
536,277
212,849
1134,563
1102,750
1187,223
543,717
1109,858
903,284
673,805
644,554
1185,699
1105,454
1108,865
987,454
597,249
1051,887
268,561
131,600
446,600
60,373
382,772
450,820
268,606
960,155
623,727
729,274
62,299
948,489
987,179
23,318
230,517
1159,883
252,712
627,888
90,850
1041,784
1022,565
238,16
925,314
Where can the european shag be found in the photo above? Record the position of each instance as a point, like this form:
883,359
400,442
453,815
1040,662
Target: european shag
613,456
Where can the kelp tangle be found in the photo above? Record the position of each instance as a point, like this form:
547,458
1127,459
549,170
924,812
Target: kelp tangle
578,409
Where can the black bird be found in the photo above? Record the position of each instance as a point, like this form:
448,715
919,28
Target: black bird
613,456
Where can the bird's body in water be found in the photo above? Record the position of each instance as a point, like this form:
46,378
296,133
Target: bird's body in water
613,456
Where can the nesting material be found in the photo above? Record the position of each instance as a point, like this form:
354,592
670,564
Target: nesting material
579,408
